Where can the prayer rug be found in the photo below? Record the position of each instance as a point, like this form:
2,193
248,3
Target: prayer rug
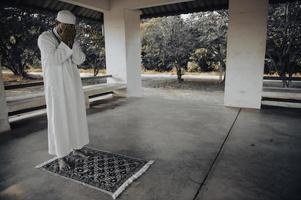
105,171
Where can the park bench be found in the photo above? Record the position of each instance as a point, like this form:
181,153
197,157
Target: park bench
29,102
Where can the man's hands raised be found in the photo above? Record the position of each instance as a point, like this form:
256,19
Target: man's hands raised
67,33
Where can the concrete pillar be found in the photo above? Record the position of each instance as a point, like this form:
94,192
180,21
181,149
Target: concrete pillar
122,43
245,53
4,124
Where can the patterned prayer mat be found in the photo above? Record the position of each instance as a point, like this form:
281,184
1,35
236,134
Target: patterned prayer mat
104,171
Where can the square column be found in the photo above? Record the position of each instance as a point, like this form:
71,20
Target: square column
246,47
4,124
123,48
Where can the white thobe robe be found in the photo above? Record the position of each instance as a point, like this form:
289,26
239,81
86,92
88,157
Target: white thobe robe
65,102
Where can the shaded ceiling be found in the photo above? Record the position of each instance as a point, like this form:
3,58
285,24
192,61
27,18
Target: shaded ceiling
54,6
190,7
157,11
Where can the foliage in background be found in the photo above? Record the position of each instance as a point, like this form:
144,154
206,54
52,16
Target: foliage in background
211,28
205,34
283,54
19,32
194,43
89,33
178,43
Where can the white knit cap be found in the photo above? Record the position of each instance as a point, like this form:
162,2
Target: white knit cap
66,17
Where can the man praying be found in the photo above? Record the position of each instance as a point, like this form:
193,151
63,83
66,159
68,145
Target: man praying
66,111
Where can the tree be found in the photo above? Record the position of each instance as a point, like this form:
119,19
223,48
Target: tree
283,41
166,44
200,38
20,29
153,50
212,35
178,43
19,32
89,33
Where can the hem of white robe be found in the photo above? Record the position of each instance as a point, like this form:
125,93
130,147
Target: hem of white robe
68,152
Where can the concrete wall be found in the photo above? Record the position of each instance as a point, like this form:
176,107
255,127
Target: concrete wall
4,125
245,53
122,43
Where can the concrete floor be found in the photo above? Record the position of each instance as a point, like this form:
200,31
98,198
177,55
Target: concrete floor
260,159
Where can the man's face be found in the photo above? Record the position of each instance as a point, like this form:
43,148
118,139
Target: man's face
62,27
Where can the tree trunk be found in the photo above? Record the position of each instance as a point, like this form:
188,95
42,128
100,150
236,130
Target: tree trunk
222,72
179,74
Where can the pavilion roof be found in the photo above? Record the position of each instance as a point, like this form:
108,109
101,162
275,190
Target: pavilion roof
157,11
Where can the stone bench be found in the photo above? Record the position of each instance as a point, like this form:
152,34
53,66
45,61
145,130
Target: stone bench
37,100
100,89
282,97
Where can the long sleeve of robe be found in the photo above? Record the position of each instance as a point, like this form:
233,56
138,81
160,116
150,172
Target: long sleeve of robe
65,102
